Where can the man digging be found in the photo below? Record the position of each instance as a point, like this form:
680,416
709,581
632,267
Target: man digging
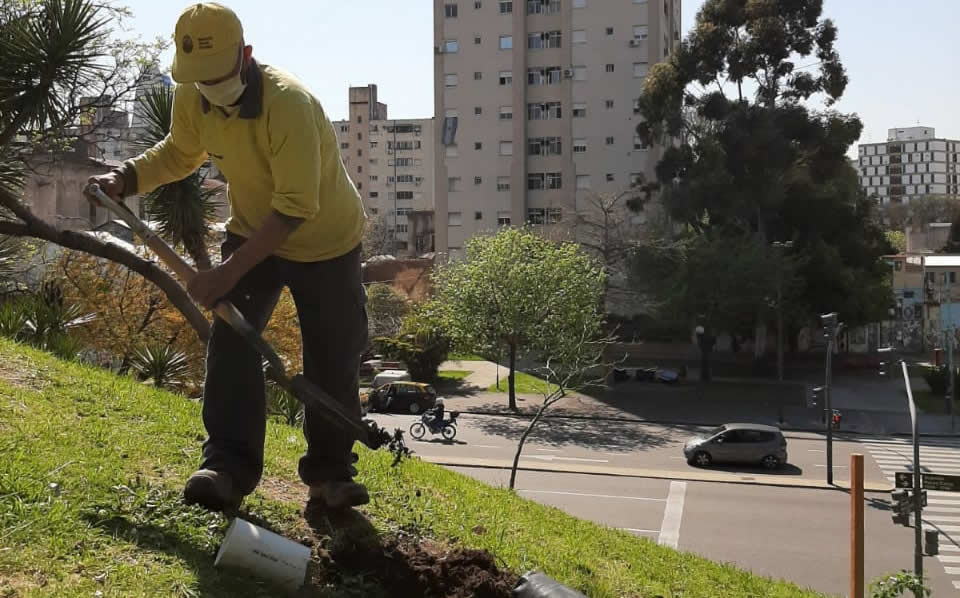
296,222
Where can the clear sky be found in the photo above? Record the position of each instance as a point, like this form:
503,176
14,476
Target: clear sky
901,56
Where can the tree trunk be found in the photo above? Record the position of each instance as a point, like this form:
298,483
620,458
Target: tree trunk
197,250
512,390
91,245
523,439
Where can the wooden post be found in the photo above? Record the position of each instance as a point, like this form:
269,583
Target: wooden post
856,526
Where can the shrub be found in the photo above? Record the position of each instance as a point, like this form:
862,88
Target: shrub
163,366
938,379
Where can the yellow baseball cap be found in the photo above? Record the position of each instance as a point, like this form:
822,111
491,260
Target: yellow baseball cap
208,37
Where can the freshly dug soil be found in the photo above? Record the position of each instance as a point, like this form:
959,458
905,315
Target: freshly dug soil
410,567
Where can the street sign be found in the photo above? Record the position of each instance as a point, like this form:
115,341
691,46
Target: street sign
903,479
947,483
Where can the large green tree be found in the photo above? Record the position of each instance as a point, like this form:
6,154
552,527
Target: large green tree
525,293
753,163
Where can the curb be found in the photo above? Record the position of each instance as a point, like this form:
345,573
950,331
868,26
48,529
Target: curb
663,474
668,422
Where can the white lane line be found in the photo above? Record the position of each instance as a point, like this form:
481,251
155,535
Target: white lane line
948,559
554,457
956,585
549,450
952,570
938,509
672,515
484,446
817,450
939,518
640,531
949,548
591,495
944,501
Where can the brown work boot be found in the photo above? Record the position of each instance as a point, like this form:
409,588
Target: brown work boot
339,494
213,490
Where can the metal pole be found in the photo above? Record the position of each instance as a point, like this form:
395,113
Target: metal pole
950,337
396,156
917,504
829,413
780,328
856,526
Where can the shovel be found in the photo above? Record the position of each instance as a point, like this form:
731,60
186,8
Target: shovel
301,388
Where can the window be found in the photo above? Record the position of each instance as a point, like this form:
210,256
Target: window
534,41
503,183
374,195
583,181
547,111
579,3
506,42
580,73
373,144
450,11
477,76
636,178
609,177
610,68
554,215
609,30
610,140
536,7
544,146
506,112
360,136
503,218
554,180
609,104
452,152
477,111
404,211
344,128
640,31
477,5
579,36
455,218
478,145
359,118
360,153
476,40
405,195
506,78
402,228
536,181
477,180
450,46
359,186
536,215
359,168
638,143
344,146
506,148
453,183
506,7
580,146
579,111
640,69
450,80
374,177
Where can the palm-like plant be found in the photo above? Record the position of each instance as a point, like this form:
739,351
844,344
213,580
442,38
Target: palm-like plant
161,365
183,210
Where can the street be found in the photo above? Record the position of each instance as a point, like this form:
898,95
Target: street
752,519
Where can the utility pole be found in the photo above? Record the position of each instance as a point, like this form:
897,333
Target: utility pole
950,339
831,328
917,498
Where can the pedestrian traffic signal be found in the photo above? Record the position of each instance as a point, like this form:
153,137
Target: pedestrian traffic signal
901,507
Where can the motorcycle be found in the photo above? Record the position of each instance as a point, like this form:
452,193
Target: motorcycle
447,427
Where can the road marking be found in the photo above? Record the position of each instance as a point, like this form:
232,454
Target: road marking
956,585
817,450
554,457
549,450
952,570
937,518
939,509
672,515
948,559
484,446
592,495
835,466
640,531
949,548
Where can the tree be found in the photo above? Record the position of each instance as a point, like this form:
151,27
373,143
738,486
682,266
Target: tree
386,310
578,365
421,343
377,238
921,212
523,292
60,64
762,167
183,210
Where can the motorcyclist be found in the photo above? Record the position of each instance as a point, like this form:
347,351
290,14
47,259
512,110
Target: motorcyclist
434,415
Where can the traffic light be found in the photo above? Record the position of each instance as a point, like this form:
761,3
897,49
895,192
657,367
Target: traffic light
901,507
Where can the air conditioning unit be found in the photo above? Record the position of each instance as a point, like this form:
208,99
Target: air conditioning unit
568,73
635,43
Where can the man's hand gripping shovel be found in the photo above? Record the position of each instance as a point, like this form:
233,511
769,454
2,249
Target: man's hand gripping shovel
301,388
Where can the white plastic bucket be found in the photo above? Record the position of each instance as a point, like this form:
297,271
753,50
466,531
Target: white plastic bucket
264,553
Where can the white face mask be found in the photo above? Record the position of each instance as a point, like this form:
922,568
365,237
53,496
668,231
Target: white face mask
224,93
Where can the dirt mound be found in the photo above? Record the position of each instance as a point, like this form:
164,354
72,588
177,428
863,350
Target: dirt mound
422,568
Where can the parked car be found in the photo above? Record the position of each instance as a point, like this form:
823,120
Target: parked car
402,397
738,443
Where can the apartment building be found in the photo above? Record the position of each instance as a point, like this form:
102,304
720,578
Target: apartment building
912,163
537,101
392,164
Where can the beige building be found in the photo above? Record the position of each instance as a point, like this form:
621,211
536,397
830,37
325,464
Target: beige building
912,163
392,164
537,105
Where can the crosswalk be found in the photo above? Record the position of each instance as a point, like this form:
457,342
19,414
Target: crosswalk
941,456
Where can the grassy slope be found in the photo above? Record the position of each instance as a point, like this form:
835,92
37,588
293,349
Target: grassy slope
524,383
118,451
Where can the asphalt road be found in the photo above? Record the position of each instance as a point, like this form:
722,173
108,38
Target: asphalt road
797,534
618,444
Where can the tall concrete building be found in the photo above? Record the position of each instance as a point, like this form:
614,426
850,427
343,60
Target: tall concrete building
392,164
535,103
912,163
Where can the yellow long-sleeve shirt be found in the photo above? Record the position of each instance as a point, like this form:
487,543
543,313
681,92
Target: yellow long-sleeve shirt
278,152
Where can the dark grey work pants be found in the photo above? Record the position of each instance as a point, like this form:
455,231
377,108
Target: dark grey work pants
331,308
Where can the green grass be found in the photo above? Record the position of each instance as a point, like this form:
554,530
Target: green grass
465,357
452,375
525,385
90,471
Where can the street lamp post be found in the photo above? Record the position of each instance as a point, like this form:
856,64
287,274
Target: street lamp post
831,328
705,342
